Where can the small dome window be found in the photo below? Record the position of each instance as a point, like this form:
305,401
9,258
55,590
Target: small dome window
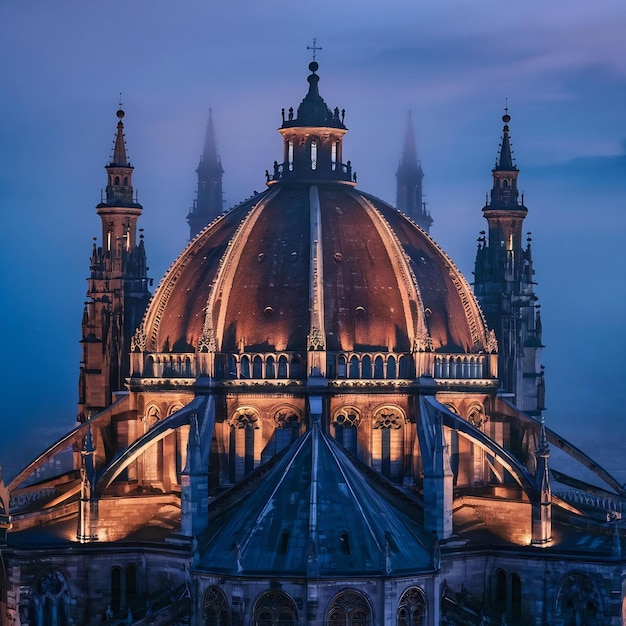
268,311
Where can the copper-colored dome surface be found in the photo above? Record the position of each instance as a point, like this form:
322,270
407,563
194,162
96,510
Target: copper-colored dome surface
249,273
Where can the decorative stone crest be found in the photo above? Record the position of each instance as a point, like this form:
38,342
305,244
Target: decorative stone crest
492,342
316,339
422,342
206,342
138,341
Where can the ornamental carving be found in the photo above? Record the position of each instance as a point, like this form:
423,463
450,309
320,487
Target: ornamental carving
287,417
206,342
422,342
476,416
347,417
245,418
316,339
492,342
138,341
388,417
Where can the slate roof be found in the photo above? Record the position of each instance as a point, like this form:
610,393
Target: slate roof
317,513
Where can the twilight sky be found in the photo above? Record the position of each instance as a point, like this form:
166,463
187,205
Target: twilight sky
562,66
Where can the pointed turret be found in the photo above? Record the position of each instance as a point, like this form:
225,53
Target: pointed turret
88,505
194,485
312,140
209,203
409,198
118,288
504,284
542,518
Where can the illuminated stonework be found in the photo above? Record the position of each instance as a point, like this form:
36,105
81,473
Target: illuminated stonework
307,425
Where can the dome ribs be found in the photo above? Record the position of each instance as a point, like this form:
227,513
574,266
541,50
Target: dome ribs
265,288
168,319
447,296
364,304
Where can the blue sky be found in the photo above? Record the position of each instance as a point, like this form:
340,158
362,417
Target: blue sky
562,66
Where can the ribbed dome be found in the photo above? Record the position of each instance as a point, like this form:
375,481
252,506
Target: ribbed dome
250,278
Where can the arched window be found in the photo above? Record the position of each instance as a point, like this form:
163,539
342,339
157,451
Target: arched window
354,367
275,608
341,366
501,589
516,596
378,367
387,444
349,608
117,180
51,599
131,584
296,367
245,367
391,367
215,607
403,367
505,184
346,421
290,155
412,608
366,367
270,367
257,367
282,366
116,589
242,453
313,154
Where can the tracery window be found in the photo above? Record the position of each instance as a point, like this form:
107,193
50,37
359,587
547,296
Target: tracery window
51,599
578,601
349,608
346,422
242,454
412,608
387,448
215,608
275,608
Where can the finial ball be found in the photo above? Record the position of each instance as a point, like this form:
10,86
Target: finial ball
314,66
120,113
506,118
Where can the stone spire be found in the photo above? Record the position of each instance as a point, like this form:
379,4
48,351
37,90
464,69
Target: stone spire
409,197
504,284
117,291
209,203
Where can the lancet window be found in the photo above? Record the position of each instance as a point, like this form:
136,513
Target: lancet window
388,442
215,608
412,608
346,421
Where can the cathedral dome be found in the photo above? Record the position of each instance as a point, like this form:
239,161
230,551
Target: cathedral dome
313,263
250,278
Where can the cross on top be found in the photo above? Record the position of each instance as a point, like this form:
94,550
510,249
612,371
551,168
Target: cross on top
314,47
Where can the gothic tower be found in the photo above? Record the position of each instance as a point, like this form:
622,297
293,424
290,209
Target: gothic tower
209,202
117,292
409,177
504,285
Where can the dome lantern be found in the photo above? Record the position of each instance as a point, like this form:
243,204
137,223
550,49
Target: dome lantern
312,140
